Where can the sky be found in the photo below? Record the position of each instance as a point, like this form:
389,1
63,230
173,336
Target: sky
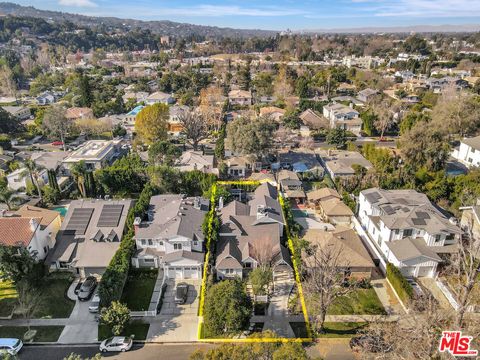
279,14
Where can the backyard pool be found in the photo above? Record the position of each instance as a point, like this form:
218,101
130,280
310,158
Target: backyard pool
61,209
299,213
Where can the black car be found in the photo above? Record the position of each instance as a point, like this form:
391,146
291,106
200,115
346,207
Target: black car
181,293
87,288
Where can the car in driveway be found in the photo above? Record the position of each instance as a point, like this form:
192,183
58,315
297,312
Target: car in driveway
116,343
87,288
95,304
10,346
417,289
181,293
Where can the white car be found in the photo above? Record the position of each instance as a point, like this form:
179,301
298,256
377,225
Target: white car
94,305
116,343
10,346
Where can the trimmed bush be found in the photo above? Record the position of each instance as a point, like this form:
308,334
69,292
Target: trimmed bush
399,283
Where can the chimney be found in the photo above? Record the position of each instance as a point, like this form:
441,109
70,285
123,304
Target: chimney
136,224
220,203
33,224
351,105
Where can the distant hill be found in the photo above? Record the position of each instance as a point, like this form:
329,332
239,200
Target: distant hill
399,29
163,27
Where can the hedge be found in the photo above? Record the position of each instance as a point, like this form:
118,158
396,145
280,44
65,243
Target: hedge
115,276
399,283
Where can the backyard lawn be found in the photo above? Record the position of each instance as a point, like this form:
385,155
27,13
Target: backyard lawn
8,296
360,302
137,328
138,289
55,303
44,333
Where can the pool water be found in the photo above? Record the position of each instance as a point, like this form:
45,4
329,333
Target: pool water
62,210
299,213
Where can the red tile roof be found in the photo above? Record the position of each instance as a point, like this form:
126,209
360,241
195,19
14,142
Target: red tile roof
16,231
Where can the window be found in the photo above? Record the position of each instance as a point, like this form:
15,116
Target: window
407,233
195,243
177,246
247,265
148,260
143,241
45,249
397,231
150,242
470,160
438,237
228,271
160,242
450,237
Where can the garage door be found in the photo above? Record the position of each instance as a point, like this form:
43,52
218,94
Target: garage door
190,273
171,273
408,270
425,271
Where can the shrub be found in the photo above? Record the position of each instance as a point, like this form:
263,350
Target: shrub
399,283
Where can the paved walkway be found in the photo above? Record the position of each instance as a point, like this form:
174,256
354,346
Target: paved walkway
361,318
432,287
387,297
277,314
157,291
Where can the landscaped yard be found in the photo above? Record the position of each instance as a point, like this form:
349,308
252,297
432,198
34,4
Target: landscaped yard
138,289
44,333
360,302
8,296
137,328
341,329
55,303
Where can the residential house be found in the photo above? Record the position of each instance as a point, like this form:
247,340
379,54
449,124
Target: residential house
48,97
18,179
240,97
314,121
263,177
470,221
323,194
172,237
291,186
341,163
78,113
344,117
89,236
405,75
273,112
251,235
407,230
196,160
95,153
335,211
159,98
174,125
238,166
468,153
18,112
53,160
367,95
302,161
353,258
138,96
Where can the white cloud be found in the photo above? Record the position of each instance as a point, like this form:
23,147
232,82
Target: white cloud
78,3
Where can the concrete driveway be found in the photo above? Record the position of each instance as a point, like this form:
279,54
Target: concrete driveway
176,322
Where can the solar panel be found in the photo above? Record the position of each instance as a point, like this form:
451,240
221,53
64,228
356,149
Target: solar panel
110,215
389,210
79,220
422,215
419,221
373,197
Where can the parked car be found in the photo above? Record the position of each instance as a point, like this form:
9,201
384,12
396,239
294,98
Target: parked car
10,345
181,293
95,304
417,289
87,288
116,343
373,344
57,143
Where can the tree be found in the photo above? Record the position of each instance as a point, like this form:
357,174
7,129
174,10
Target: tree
282,86
16,264
8,86
34,172
79,171
337,137
116,316
151,123
9,197
220,143
368,122
260,278
163,152
74,356
8,124
250,137
56,123
92,127
325,281
263,84
244,77
85,91
194,127
227,308
384,116
212,106
28,300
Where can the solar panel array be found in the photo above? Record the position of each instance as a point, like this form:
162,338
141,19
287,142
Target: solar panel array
79,220
422,215
373,197
110,215
419,221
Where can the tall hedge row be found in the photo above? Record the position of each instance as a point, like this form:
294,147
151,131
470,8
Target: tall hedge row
399,283
115,276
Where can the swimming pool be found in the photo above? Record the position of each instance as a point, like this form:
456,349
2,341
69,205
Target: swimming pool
299,213
61,209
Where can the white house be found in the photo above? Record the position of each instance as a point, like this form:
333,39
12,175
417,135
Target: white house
95,153
407,229
159,98
18,179
468,153
240,97
172,237
344,117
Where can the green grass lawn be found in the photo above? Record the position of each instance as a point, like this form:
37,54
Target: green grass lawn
55,303
137,328
44,333
360,302
8,296
138,289
341,329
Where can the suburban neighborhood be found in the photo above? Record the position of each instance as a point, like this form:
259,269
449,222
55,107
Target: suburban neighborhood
216,193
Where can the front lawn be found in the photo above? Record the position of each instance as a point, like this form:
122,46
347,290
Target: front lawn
138,289
341,329
44,333
137,328
8,296
53,292
359,302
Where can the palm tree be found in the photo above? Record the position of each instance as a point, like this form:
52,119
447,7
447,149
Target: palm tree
79,172
33,170
8,197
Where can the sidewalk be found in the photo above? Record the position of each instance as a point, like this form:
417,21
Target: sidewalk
387,297
361,318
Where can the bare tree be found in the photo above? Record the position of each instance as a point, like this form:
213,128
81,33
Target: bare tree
385,116
325,280
56,123
8,85
194,127
262,251
28,300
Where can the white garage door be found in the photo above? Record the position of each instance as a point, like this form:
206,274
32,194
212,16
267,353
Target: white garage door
408,271
190,273
425,271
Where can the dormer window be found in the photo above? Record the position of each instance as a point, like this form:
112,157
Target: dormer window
407,233
150,242
160,243
177,246
438,237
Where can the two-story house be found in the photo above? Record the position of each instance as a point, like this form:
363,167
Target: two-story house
250,236
468,153
172,237
240,97
407,229
344,117
95,153
291,186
